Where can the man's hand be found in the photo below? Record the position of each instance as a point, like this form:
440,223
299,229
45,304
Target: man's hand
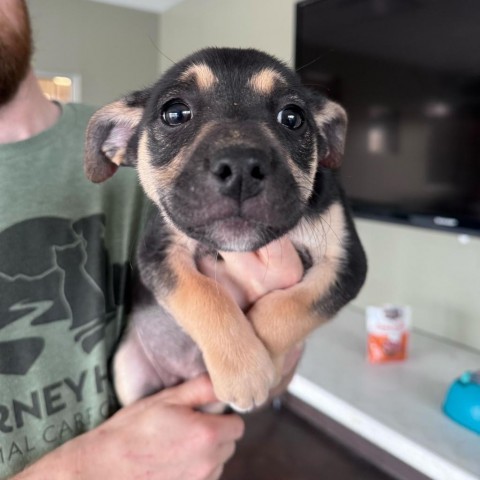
160,437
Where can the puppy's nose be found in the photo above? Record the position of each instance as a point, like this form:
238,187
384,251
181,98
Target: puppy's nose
240,176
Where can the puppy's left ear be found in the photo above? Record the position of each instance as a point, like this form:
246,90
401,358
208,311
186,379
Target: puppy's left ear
331,120
109,131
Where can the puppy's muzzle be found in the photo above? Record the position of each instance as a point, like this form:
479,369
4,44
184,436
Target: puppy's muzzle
240,173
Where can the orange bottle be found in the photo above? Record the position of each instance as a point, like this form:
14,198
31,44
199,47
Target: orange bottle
388,329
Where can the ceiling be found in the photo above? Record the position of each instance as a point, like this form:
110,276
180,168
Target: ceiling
155,6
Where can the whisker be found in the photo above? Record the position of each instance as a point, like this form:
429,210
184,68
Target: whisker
315,60
267,265
160,51
215,272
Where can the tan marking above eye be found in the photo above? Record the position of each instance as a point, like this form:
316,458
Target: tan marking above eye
204,76
265,80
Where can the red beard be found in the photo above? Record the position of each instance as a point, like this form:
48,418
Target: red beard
15,48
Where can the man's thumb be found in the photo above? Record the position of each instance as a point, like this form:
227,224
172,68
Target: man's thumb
193,393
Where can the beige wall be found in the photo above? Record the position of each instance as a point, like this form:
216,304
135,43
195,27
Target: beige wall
112,48
431,271
194,24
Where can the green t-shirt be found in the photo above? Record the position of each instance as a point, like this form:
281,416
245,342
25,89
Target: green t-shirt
65,251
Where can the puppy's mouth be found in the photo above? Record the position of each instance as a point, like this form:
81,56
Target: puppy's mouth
235,225
239,234
234,233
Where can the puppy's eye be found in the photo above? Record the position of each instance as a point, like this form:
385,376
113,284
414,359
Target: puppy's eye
291,117
176,113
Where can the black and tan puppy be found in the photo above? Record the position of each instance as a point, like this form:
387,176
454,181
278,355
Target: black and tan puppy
235,153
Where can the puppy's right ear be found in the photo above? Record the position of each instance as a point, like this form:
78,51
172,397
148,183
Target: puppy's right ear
108,134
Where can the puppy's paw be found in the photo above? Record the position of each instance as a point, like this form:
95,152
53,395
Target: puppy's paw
244,381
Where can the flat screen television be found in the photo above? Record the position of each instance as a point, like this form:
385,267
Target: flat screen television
408,74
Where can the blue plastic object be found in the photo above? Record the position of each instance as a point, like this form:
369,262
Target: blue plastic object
462,402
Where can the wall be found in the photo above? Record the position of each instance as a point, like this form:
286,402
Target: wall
432,271
195,24
112,48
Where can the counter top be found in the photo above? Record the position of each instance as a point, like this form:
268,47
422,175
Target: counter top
396,406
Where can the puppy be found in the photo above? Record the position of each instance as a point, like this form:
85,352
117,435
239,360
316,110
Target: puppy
234,153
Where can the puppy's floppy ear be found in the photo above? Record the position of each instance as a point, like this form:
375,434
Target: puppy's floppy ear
108,134
331,120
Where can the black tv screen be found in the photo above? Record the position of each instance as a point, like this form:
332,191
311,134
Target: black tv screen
408,74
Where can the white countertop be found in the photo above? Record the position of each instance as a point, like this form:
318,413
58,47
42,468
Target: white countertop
397,406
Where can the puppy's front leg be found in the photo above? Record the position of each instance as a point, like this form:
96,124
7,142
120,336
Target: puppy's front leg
239,365
283,318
